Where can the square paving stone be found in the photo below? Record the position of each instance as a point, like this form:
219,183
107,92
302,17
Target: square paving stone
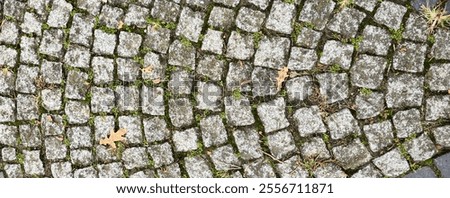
51,124
181,112
291,168
133,126
211,67
416,28
438,77
55,149
8,56
368,171
420,148
337,53
104,155
380,135
442,164
224,158
247,141
155,129
7,108
9,33
376,41
8,154
77,85
39,6
59,14
272,115
92,6
333,87
368,71
250,20
264,81
165,10
26,79
261,4
182,55
77,112
239,76
27,107
352,155
32,164
392,164
186,140
157,39
135,157
342,124
317,12
315,148
31,24
136,15
61,170
238,111
369,106
213,42
329,170
441,48
410,57
308,38
272,52
161,154
213,131
368,5
128,70
407,123
81,30
222,18
424,172
309,121
110,16
281,144
404,90
129,44
197,167
28,50
112,170
51,72
442,135
127,98
437,107
103,69
80,137
14,9
190,24
281,17
209,96
7,82
258,169
88,172
103,100
152,100
199,3
171,171
13,170
30,135
104,43
154,67
81,157
390,14
180,82
240,46
302,59
346,22
299,89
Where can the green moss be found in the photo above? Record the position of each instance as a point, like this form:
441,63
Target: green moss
257,36
335,68
397,35
185,42
289,1
237,94
20,158
365,91
45,26
356,41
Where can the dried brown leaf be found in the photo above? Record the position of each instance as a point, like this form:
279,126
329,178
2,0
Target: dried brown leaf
147,69
114,137
156,81
120,25
282,75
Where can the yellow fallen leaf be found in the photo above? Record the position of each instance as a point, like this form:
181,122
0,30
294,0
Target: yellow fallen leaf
49,118
449,91
156,81
120,25
147,69
282,75
114,137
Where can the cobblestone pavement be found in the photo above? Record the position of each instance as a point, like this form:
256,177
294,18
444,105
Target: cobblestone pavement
198,86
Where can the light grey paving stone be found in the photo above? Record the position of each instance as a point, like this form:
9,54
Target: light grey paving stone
154,67
281,144
26,79
31,24
61,170
127,98
197,167
129,44
55,149
259,169
52,43
104,43
92,6
334,87
390,14
7,82
133,125
79,137
128,70
51,72
410,57
135,157
369,106
308,38
263,82
238,111
209,96
291,168
337,53
247,141
368,171
272,115
77,112
39,6
438,77
81,157
136,16
368,5
308,121
102,100
441,48
299,89
181,112
329,170
27,107
404,90
239,76
9,33
211,67
155,129
190,24
81,30
240,46
103,69
351,156
51,124
281,17
199,3
28,50
7,107
161,154
221,17
182,55
88,172
213,131
407,123
59,14
392,163
111,170
186,140
9,154
180,82
165,10
424,172
250,20
104,155
315,148
171,171
224,158
77,85
8,56
14,9
302,59
317,13
213,42
152,100
442,135
30,135
376,41
13,171
437,107
342,124
442,164
420,148
368,71
346,22
272,52
110,16
416,28
103,125
380,135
